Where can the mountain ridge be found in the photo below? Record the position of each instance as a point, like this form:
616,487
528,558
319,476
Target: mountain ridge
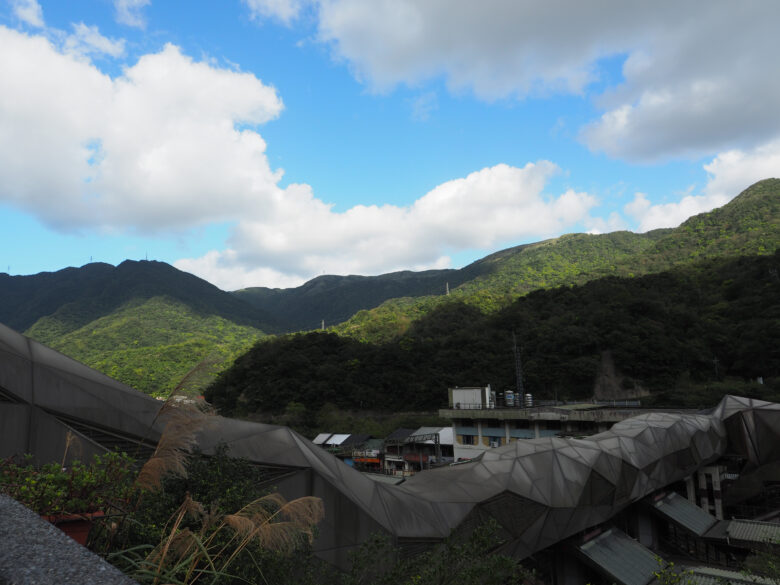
748,224
80,310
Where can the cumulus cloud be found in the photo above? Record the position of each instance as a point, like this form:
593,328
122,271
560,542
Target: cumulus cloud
29,12
130,12
158,148
226,271
672,214
696,80
728,174
284,11
304,237
173,143
731,172
496,50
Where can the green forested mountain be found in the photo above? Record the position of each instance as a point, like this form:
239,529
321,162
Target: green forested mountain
73,297
336,298
749,224
147,323
144,323
684,336
152,344
678,313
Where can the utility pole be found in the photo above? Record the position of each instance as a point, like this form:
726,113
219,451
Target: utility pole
323,324
447,288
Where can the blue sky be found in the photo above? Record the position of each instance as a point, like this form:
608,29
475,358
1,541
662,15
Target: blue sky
265,142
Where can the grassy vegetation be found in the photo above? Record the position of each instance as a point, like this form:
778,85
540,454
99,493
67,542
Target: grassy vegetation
150,344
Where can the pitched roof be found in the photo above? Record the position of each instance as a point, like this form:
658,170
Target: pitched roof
622,558
684,513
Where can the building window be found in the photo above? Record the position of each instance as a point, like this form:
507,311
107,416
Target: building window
467,439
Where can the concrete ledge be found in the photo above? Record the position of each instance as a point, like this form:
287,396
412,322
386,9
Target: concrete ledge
34,551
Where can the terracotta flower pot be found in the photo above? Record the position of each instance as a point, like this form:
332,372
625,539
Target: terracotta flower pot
77,526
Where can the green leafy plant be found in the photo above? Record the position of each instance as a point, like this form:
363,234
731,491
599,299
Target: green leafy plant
668,575
104,482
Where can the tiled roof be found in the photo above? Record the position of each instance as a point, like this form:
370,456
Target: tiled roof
754,531
717,576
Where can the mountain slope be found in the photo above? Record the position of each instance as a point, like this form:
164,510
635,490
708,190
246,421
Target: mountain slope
145,323
749,224
73,297
151,344
335,299
91,312
684,335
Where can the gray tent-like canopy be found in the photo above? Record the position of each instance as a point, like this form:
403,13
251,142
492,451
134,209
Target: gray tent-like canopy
540,491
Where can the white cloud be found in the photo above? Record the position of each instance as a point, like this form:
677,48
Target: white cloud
304,237
87,40
173,144
498,49
155,149
729,173
666,215
599,225
129,12
224,270
28,11
697,79
283,10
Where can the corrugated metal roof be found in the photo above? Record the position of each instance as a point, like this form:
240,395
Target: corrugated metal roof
621,558
446,436
579,406
427,430
714,576
321,438
337,439
685,513
355,439
753,531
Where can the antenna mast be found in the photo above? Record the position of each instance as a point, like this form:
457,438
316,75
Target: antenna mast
518,366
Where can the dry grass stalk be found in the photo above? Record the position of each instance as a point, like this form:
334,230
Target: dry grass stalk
270,522
276,524
71,440
184,417
173,448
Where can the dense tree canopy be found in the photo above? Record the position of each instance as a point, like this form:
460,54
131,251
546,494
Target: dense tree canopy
689,329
